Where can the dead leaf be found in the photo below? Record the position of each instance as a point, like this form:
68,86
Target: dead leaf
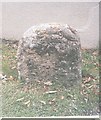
95,53
62,97
48,83
13,68
20,99
90,86
52,102
43,102
11,78
87,80
69,96
27,102
53,99
51,92
46,88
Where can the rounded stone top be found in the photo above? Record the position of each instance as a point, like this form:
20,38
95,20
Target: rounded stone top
43,30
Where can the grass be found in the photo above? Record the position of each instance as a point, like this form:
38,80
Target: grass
19,100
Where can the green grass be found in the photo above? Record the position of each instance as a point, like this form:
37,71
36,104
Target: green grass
19,100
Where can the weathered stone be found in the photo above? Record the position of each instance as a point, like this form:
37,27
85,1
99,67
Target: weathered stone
50,52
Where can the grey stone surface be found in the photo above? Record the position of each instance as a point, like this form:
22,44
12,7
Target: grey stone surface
50,52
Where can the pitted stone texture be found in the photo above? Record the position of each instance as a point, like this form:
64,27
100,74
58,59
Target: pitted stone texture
50,52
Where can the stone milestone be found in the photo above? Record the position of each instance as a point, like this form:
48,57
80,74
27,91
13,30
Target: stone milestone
50,52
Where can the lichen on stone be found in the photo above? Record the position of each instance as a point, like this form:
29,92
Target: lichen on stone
50,52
